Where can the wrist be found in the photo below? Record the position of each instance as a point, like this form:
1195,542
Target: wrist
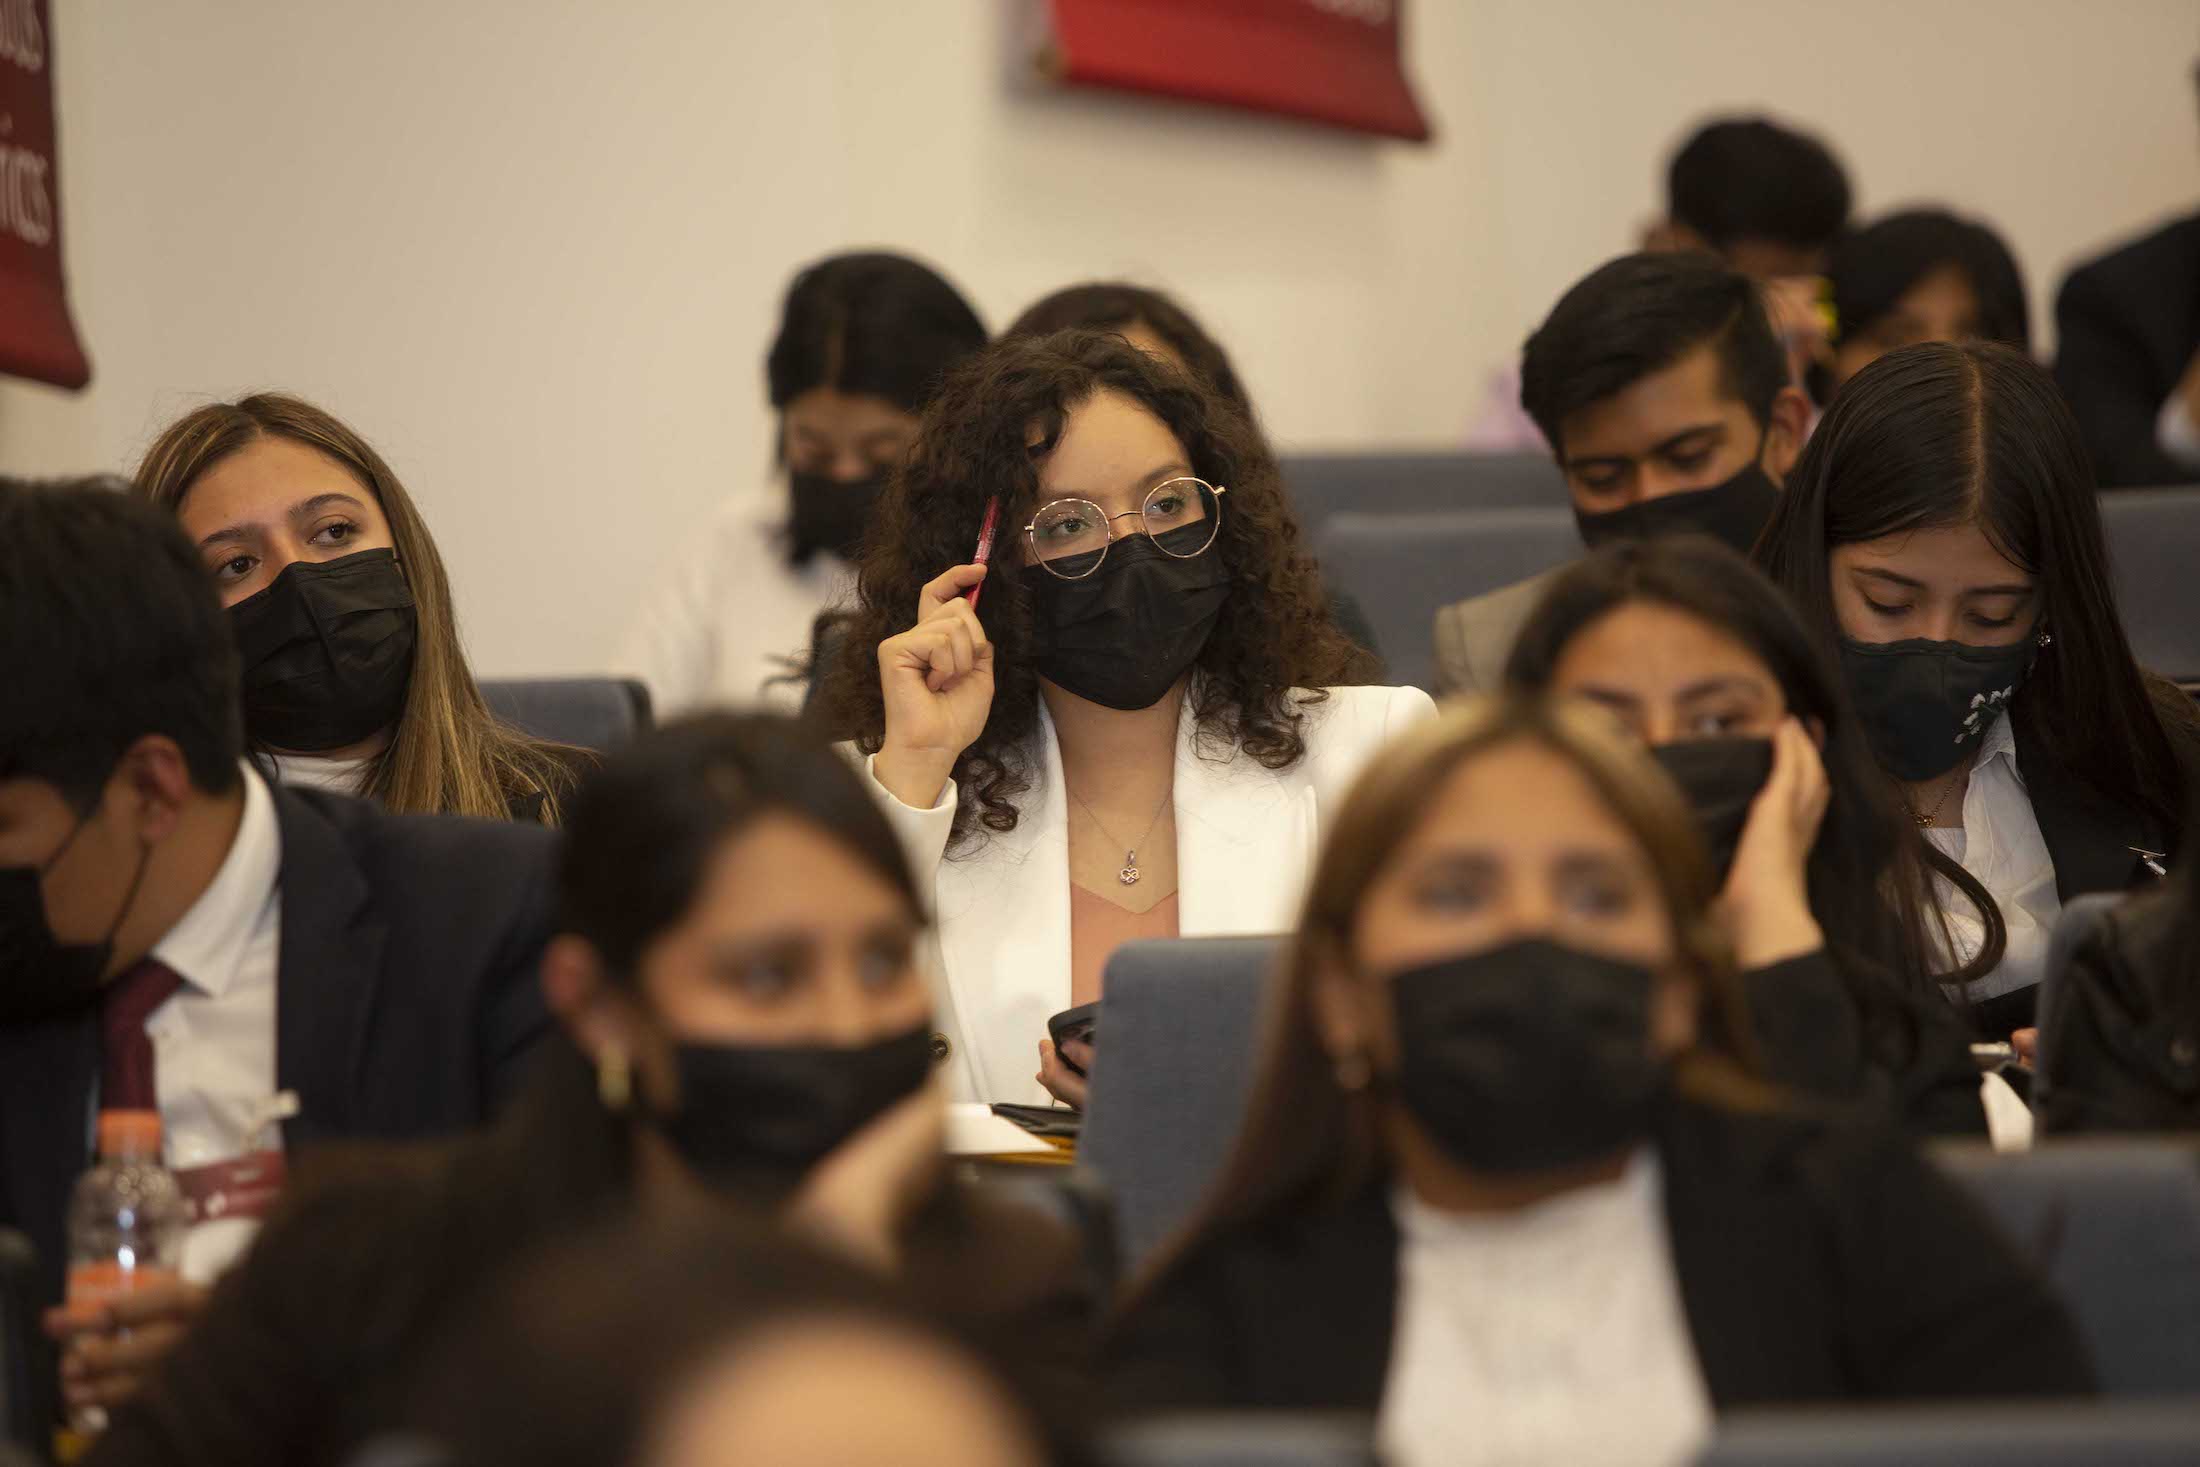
1771,930
915,777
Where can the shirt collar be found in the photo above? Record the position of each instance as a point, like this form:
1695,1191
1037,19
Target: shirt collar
1998,742
207,946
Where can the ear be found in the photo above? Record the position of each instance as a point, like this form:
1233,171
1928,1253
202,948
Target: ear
154,781
1667,234
1676,1013
1785,431
592,1011
1341,1019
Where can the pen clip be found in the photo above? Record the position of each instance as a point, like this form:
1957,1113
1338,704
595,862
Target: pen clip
2152,860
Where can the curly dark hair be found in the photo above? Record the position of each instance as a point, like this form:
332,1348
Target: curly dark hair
1274,634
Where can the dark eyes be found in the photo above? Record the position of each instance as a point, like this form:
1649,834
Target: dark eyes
1884,610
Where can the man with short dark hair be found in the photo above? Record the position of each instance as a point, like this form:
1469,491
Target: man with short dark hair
1767,199
265,968
1666,399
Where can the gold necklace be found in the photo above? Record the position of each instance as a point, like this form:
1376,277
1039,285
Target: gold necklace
1925,820
1130,873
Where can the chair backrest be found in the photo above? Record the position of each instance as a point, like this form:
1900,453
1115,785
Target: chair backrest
590,712
1403,567
2010,1434
2113,1223
25,1409
1245,1439
2081,918
1326,484
1172,1064
2154,546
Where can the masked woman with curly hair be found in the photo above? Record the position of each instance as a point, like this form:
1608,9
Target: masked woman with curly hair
1142,724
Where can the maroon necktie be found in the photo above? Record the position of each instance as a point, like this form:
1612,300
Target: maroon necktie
126,1070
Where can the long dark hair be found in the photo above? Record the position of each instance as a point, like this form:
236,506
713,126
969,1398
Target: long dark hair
1943,434
644,827
873,324
1867,872
1311,1143
1274,634
1116,306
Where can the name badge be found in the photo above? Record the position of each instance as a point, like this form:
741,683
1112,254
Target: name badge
245,1186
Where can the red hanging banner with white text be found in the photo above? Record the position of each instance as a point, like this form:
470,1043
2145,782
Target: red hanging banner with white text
37,338
1339,62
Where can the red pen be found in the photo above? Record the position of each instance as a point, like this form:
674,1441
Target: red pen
985,546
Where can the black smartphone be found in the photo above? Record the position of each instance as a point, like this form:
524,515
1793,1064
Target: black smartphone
1076,1023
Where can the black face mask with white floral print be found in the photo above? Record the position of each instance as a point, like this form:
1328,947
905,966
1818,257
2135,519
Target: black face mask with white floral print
1925,705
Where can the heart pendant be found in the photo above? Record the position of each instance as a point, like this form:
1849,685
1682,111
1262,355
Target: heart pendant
1128,875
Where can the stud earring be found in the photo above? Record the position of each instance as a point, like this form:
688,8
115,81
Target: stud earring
614,1079
2047,638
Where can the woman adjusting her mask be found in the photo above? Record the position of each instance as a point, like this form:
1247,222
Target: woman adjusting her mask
1823,881
354,676
1507,1180
1136,729
1942,540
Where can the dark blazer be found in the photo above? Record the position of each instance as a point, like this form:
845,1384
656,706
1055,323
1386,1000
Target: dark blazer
1816,1262
2093,842
406,997
306,1351
2122,1047
2126,328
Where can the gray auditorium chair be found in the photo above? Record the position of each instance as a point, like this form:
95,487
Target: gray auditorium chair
2114,1224
1173,1060
1403,567
1244,1439
1326,484
591,712
2154,550
2011,1434
2080,919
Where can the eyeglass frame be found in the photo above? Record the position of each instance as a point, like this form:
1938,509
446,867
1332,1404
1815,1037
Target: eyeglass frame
1031,527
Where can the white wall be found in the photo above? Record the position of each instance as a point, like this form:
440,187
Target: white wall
533,247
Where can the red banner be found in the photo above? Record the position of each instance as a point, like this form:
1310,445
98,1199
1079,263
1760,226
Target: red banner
37,338
1339,62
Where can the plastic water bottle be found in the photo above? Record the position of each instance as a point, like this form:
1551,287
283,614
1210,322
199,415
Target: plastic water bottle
127,1219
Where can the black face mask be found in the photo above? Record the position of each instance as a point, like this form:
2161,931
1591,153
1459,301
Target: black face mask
41,976
1735,512
1123,635
1721,778
1528,1057
755,1119
328,652
830,514
1925,704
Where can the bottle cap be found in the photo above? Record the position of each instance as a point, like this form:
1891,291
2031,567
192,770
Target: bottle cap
130,1133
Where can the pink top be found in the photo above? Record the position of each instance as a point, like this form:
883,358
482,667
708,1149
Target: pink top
1097,927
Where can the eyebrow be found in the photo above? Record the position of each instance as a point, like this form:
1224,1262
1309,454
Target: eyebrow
1730,683
1665,445
1153,478
1909,583
305,509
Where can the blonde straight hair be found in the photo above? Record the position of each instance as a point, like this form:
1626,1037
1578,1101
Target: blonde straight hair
448,755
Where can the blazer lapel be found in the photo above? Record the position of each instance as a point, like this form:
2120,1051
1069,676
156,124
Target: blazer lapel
2094,844
328,971
47,1072
1245,835
1004,934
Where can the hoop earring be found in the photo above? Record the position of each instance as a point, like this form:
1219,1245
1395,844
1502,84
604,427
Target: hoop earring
615,1079
1353,1073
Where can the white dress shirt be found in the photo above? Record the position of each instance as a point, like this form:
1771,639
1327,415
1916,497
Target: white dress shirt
2000,844
214,1041
1551,1334
2176,434
306,772
732,611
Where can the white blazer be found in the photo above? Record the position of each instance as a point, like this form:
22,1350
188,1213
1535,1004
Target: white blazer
1246,838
